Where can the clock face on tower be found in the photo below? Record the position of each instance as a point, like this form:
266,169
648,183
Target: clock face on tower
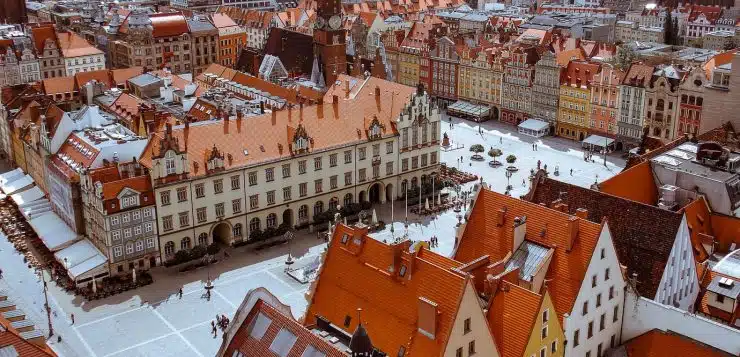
335,22
320,23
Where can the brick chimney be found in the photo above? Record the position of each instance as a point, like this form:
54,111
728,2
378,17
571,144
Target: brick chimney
335,105
500,217
346,88
573,223
582,213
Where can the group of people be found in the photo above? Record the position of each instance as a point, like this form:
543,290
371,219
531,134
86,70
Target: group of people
433,242
221,322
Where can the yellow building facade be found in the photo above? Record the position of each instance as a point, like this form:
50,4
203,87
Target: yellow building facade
575,100
547,334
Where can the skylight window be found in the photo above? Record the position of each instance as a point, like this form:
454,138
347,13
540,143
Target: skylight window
283,343
311,351
259,326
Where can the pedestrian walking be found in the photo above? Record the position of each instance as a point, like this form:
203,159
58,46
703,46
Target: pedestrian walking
571,172
179,293
501,139
72,316
1,273
213,329
524,183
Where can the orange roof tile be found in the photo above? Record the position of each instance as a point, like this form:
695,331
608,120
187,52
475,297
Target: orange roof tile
58,85
42,33
579,74
120,76
265,137
512,314
389,302
139,184
102,76
718,60
168,24
73,45
636,184
698,219
126,106
564,57
483,236
280,318
222,21
9,336
656,343
726,230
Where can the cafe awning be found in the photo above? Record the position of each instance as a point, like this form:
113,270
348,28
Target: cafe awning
14,186
598,140
28,196
55,234
467,108
534,124
80,259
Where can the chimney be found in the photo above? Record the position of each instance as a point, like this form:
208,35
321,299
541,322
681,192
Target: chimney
262,107
582,213
573,222
346,88
186,131
377,92
520,231
240,113
500,217
274,117
335,106
427,322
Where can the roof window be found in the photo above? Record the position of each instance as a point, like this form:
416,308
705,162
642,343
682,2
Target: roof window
259,326
311,351
283,343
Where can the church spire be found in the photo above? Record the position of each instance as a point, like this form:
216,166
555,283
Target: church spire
360,344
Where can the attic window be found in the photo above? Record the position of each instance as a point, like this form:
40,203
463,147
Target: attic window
259,326
402,271
246,152
345,238
283,343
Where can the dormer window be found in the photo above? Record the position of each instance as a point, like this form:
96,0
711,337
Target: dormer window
301,144
375,131
169,162
345,238
129,201
402,271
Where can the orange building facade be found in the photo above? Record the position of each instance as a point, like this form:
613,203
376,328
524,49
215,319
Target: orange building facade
231,38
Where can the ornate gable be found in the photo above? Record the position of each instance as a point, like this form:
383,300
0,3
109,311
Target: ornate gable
214,160
375,129
167,143
300,141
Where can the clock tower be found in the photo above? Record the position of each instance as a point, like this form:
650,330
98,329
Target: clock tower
329,39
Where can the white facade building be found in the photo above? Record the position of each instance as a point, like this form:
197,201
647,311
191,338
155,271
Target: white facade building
232,183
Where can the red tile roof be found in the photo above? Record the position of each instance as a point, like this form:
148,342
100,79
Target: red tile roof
643,235
222,21
102,76
483,236
579,74
120,76
389,302
168,24
59,85
656,343
638,75
512,314
42,33
260,302
9,336
73,45
636,184
266,139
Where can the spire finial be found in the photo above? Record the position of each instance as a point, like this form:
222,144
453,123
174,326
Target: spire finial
359,315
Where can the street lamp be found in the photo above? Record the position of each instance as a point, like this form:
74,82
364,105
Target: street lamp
508,176
46,303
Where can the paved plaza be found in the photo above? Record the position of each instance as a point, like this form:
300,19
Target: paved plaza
154,321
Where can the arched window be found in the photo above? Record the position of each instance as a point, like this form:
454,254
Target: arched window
254,224
659,105
237,230
203,239
318,208
333,202
303,212
347,199
656,132
271,220
684,99
169,163
169,248
185,243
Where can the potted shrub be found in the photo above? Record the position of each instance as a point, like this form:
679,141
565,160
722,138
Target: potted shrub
476,149
494,153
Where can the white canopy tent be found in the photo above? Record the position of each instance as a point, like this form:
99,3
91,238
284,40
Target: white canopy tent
11,176
597,141
35,209
18,185
55,234
27,197
82,260
534,127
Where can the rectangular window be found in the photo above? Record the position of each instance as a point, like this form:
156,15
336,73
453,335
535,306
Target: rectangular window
423,160
270,174
236,205
201,214
466,326
200,190
317,163
543,352
318,185
576,336
590,329
347,178
606,274
362,153
333,182
405,165
218,186
471,348
602,322
235,182
376,149
348,156
433,158
389,168
164,196
554,347
362,175
585,308
302,189
286,170
252,178
415,162
389,147
593,281
611,292
271,197
459,352
182,195
219,209
301,167
253,201
167,223
544,332
286,193
615,318
333,160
